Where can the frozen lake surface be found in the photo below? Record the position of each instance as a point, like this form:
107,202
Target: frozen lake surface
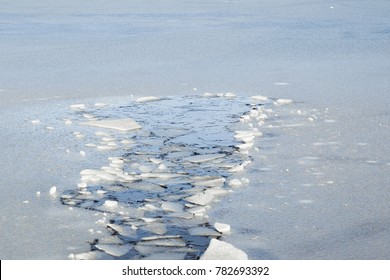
93,167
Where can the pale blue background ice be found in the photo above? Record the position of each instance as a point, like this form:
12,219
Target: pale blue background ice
332,54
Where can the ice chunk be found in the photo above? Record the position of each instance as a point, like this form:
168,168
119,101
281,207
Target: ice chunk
220,250
110,203
100,105
235,183
230,95
208,94
157,228
282,101
114,249
35,122
148,99
117,124
200,199
165,242
203,158
197,211
222,228
93,255
171,206
260,98
218,182
53,190
77,107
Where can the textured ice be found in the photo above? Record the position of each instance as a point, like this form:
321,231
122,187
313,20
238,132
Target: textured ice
158,191
220,250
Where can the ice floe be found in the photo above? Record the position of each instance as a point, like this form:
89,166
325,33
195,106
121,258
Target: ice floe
161,177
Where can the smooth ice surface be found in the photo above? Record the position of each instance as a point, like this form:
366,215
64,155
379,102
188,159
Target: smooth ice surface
328,147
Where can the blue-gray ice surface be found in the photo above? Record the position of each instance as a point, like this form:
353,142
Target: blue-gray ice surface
317,184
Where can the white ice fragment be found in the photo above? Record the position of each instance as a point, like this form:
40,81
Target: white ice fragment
245,146
108,139
100,105
245,137
110,203
35,122
53,190
162,167
92,255
82,153
230,95
197,210
82,185
253,113
245,118
282,101
91,145
208,94
203,158
68,122
171,206
260,98
148,99
117,124
95,176
26,201
222,228
88,116
240,167
121,229
49,128
281,84
220,250
77,107
235,183
200,199
213,182
164,242
115,250
106,148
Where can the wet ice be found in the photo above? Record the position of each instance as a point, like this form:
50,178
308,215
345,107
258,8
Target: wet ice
158,190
